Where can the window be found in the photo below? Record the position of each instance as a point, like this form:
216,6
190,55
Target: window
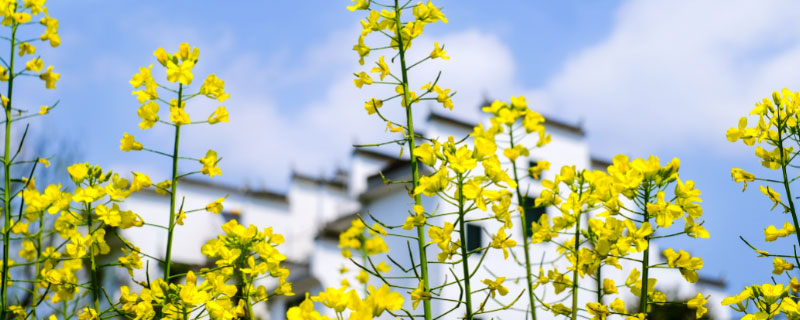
474,237
533,164
294,301
229,215
532,212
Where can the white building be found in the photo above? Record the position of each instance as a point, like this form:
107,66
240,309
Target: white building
314,210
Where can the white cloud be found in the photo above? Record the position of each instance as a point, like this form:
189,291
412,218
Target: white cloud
264,140
673,74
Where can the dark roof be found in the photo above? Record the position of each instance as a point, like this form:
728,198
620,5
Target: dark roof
262,194
719,282
549,122
322,181
373,153
600,162
331,230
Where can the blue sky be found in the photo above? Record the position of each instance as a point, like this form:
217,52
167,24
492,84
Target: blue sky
644,77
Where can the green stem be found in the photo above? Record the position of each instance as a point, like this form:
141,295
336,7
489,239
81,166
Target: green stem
646,258
423,256
7,179
37,265
576,252
173,192
525,240
599,284
364,263
577,264
786,181
462,232
243,285
93,275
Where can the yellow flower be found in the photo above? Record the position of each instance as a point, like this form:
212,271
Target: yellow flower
598,311
618,306
336,299
383,299
305,311
128,143
442,95
373,105
26,48
214,88
501,241
219,115
361,49
209,163
216,206
560,309
50,78
382,68
496,286
51,32
461,160
737,299
362,276
361,79
536,172
740,175
88,314
180,73
35,65
415,220
412,96
609,286
441,236
185,53
513,153
419,294
142,78
178,115
78,172
772,195
780,265
149,114
428,13
438,52
698,303
162,56
771,233
44,161
430,185
359,5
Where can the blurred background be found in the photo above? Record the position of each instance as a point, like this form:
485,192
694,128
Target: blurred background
641,77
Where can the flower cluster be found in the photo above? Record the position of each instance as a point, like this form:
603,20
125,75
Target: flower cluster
775,137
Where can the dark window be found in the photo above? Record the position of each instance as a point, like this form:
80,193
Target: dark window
474,237
532,212
294,301
533,164
229,215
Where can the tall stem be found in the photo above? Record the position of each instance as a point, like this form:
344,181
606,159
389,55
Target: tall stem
462,226
93,273
600,284
577,264
7,177
646,258
38,265
789,197
577,247
243,285
525,240
423,256
173,191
